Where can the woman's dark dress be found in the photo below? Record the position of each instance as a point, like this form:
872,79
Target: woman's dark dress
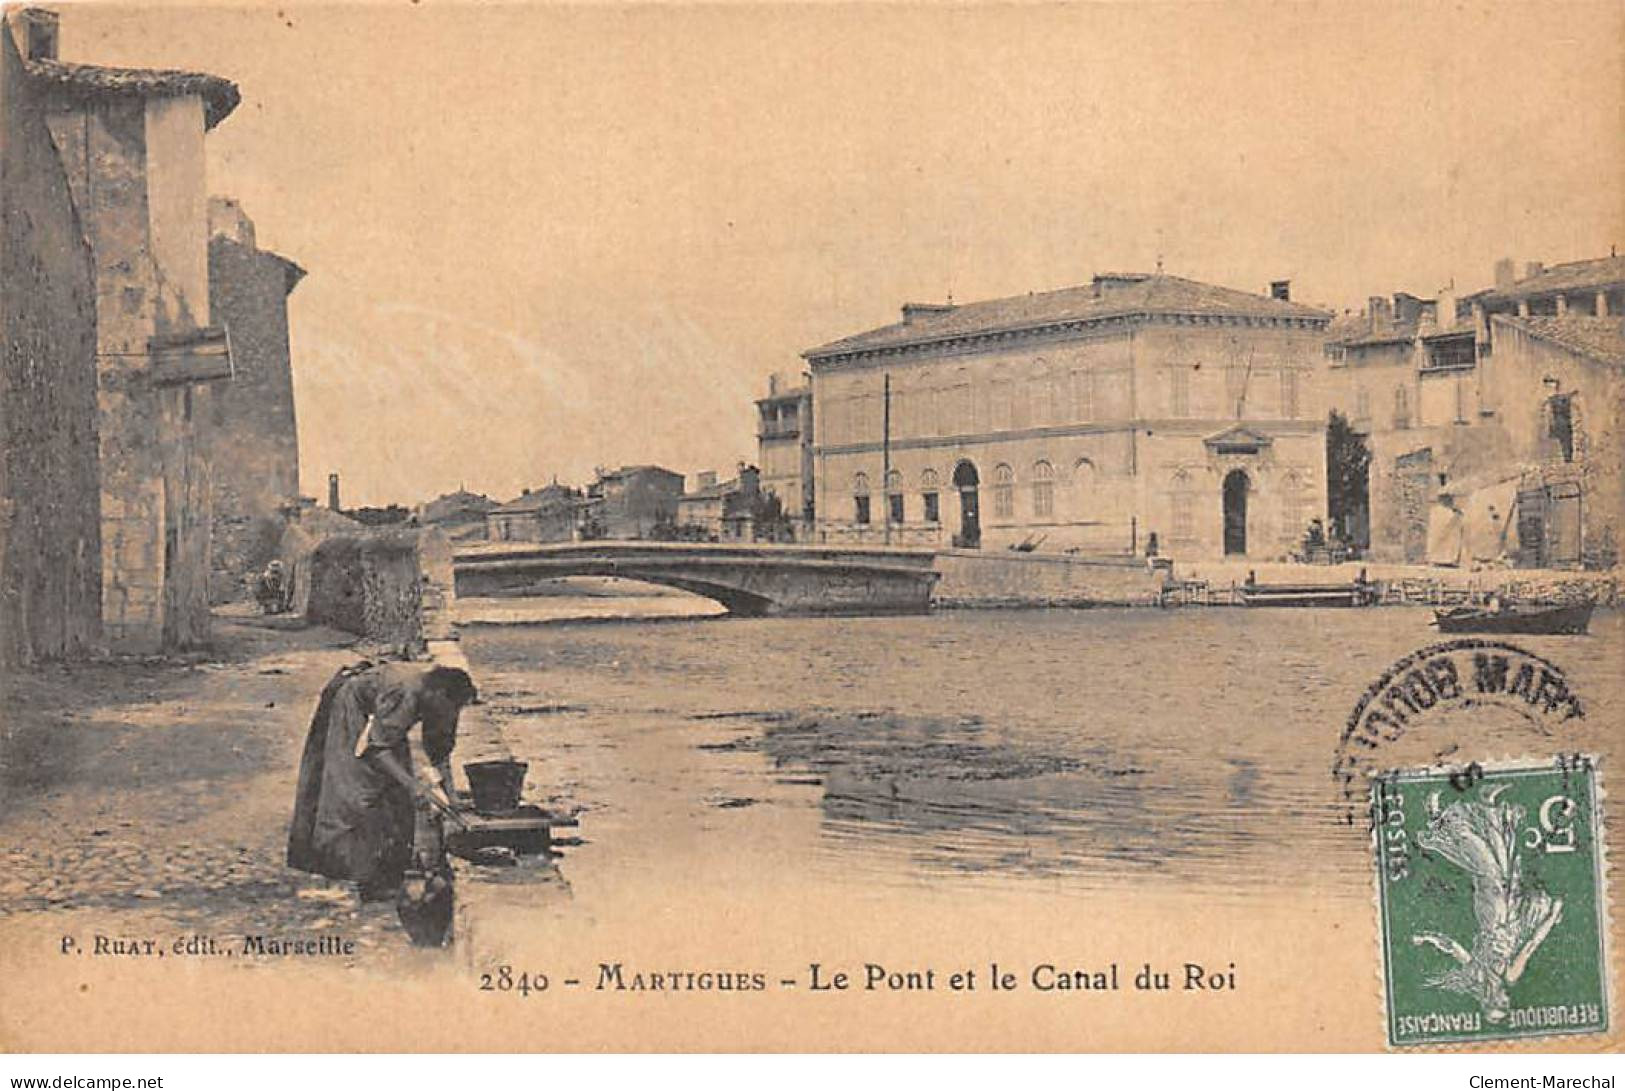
351,820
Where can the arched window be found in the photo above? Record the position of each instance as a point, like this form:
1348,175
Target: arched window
1004,492
860,498
1402,407
930,489
1043,489
894,497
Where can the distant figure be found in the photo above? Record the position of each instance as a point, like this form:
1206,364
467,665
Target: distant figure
271,589
1494,605
360,813
1151,552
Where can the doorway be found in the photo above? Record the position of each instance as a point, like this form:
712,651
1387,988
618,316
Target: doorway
966,481
1236,487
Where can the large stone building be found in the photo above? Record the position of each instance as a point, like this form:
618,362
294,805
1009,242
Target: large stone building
460,516
251,435
50,510
1493,426
130,146
1087,418
784,441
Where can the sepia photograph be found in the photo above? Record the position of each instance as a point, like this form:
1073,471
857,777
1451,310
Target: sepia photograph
811,528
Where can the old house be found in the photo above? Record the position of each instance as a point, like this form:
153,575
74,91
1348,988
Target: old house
1503,442
630,502
130,145
50,504
721,511
784,440
547,514
250,434
1087,418
460,515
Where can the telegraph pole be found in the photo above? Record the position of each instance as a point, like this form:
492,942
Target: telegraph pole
885,452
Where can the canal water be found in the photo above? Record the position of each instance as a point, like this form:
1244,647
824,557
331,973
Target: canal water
1058,753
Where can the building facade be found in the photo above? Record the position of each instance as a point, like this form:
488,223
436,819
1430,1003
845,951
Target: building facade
251,434
130,144
630,503
1087,419
460,516
784,443
721,511
50,504
548,514
1494,437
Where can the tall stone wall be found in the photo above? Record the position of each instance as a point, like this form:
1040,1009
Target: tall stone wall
50,535
250,434
378,585
969,578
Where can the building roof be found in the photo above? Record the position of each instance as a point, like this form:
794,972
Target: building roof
220,95
551,496
629,471
455,503
1592,273
1107,296
1600,339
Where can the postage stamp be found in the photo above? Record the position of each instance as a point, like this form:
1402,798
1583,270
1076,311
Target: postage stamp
1492,901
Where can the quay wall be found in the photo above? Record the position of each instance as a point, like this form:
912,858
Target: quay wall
978,579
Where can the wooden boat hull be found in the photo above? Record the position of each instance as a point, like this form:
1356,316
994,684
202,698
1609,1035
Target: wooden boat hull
1550,620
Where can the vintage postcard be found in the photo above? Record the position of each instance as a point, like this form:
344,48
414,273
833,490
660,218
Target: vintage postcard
840,527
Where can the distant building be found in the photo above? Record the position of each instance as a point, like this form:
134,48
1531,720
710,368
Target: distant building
251,435
130,143
784,439
548,514
1086,418
721,511
460,516
630,502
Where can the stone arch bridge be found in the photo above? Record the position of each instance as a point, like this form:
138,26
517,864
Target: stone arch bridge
749,579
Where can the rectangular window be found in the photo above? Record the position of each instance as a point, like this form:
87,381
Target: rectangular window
1184,521
1289,394
1560,414
1179,391
860,509
895,506
1044,498
931,513
1082,396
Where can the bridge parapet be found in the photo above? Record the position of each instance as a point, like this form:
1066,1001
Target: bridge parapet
748,579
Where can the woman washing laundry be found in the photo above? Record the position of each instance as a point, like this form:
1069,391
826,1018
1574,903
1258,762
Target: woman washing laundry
370,803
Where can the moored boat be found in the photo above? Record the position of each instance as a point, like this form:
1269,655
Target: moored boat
1572,618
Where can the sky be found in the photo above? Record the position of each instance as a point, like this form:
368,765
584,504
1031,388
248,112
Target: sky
543,239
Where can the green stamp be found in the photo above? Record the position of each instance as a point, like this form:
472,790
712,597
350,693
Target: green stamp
1491,896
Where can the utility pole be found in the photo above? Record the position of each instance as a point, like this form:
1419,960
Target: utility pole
885,452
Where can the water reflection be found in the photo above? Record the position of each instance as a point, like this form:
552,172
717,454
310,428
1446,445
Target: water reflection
1190,748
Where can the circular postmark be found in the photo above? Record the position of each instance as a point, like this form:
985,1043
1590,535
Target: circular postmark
1487,689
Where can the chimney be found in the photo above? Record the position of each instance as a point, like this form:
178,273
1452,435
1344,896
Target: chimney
914,312
37,34
773,385
1381,313
1533,269
333,492
1282,290
227,219
1506,273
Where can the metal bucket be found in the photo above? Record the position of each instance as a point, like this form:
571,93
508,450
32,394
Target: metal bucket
495,785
